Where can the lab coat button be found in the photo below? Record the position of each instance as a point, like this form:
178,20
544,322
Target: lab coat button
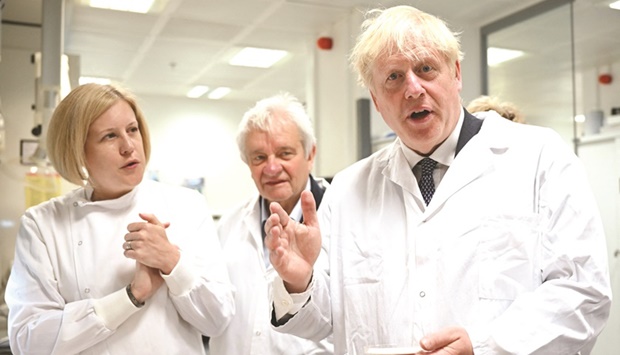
75,204
257,333
87,290
422,293
80,242
284,303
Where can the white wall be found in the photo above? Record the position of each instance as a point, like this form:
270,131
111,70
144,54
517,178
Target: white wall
592,95
196,138
333,105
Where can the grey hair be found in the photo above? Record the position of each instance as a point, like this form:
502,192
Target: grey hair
261,115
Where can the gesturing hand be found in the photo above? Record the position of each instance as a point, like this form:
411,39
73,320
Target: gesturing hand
293,246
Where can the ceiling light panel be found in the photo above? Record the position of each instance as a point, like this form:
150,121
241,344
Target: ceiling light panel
219,93
257,57
197,91
139,6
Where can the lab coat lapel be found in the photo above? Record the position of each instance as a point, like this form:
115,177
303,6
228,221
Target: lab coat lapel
252,222
396,167
474,160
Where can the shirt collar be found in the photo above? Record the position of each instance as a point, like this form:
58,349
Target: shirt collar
444,154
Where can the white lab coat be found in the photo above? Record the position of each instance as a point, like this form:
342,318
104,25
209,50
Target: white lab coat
69,259
250,331
511,247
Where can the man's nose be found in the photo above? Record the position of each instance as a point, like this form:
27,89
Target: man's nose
414,86
273,166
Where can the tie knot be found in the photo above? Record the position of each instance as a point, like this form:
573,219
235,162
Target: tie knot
427,165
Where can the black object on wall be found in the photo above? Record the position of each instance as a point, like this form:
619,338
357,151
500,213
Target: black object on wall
363,128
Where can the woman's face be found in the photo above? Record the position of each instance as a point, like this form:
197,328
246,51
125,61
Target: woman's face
115,157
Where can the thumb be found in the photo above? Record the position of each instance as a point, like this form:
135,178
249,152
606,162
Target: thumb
308,208
150,218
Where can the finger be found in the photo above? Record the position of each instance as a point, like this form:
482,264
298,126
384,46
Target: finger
128,250
132,236
150,218
308,208
443,338
128,254
272,231
275,207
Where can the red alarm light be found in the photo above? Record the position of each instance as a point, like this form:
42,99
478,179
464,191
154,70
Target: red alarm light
605,79
325,43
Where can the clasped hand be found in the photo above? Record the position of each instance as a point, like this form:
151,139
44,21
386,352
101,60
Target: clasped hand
147,243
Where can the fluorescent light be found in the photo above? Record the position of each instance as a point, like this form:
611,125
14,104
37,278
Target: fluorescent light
197,91
218,93
90,79
140,6
580,118
615,5
6,223
257,57
496,55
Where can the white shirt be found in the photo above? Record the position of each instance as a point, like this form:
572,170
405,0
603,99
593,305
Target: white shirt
511,247
250,331
66,292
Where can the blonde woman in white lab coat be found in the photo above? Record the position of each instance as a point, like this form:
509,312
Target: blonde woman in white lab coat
122,264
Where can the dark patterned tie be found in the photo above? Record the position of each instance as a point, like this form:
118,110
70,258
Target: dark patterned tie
427,186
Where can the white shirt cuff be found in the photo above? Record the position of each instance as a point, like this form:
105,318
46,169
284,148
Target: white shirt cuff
286,303
115,308
181,279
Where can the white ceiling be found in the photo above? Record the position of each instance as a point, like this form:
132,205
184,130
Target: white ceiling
189,41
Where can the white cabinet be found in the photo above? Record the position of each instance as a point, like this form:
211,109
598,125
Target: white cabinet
601,157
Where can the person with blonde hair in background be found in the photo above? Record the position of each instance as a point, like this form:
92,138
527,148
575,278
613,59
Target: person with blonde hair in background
505,109
121,264
276,140
466,235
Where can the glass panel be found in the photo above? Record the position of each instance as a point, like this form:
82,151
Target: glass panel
540,82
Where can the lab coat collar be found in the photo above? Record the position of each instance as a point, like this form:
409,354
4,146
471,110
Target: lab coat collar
472,161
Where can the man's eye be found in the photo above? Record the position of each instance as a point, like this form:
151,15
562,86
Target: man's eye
426,68
286,155
393,76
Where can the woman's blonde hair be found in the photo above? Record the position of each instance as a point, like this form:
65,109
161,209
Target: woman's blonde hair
402,30
505,109
68,127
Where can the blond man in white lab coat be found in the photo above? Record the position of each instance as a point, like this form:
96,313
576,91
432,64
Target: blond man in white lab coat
506,256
